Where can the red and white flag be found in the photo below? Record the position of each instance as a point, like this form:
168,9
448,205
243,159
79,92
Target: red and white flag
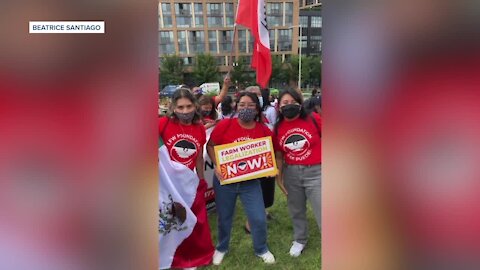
252,14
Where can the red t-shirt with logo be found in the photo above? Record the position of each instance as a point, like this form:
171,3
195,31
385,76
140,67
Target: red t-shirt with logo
299,140
183,142
229,131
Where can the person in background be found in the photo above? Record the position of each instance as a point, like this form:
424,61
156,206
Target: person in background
184,136
247,126
297,142
313,104
198,92
207,110
268,110
273,101
314,92
227,108
269,115
208,104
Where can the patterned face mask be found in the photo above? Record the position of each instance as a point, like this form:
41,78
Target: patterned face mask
185,117
247,114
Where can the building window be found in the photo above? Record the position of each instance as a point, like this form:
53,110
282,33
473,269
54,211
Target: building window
212,41
215,21
315,44
220,60
274,14
242,41
182,42
316,22
285,40
304,21
215,14
288,14
196,40
250,41
198,15
166,44
184,14
167,15
271,34
225,40
304,41
188,61
183,9
214,9
229,14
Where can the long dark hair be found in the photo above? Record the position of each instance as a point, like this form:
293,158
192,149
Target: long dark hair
227,106
310,103
205,100
298,98
254,97
183,93
266,98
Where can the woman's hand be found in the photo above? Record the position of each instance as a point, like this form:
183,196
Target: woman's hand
279,180
218,173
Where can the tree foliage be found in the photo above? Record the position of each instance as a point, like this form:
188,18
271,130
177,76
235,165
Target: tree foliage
172,69
241,74
205,69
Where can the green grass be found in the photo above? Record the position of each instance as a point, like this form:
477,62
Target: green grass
280,236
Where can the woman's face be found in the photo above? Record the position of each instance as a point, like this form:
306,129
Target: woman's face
246,102
287,99
184,105
206,107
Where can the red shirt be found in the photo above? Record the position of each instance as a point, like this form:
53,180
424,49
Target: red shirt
229,131
299,141
184,142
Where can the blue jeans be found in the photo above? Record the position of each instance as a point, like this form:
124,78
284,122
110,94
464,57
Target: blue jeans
250,193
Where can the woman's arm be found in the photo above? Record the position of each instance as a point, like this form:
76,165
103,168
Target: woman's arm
200,165
223,93
279,178
211,154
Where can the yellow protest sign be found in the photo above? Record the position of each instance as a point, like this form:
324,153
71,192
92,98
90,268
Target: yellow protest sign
247,160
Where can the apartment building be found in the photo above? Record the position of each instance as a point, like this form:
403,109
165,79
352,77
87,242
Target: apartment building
190,27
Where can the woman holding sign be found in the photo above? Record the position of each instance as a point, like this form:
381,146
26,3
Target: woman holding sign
184,136
247,126
297,143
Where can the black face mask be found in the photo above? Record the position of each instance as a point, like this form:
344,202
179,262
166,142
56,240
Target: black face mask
290,111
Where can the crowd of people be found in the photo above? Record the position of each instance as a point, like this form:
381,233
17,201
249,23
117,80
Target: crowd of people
295,128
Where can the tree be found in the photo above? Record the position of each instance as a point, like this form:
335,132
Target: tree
171,70
277,65
290,71
205,69
242,74
316,70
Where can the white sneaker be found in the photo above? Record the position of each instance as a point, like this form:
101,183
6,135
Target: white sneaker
267,257
296,249
218,257
190,268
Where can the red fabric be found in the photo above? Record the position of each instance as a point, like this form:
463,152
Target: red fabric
299,141
432,124
229,131
184,142
248,15
197,249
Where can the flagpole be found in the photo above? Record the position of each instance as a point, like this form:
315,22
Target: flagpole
232,48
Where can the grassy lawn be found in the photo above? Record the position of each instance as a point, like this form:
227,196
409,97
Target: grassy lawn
280,233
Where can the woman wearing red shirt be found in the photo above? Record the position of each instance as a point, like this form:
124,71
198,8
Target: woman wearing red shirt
246,127
184,136
297,142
